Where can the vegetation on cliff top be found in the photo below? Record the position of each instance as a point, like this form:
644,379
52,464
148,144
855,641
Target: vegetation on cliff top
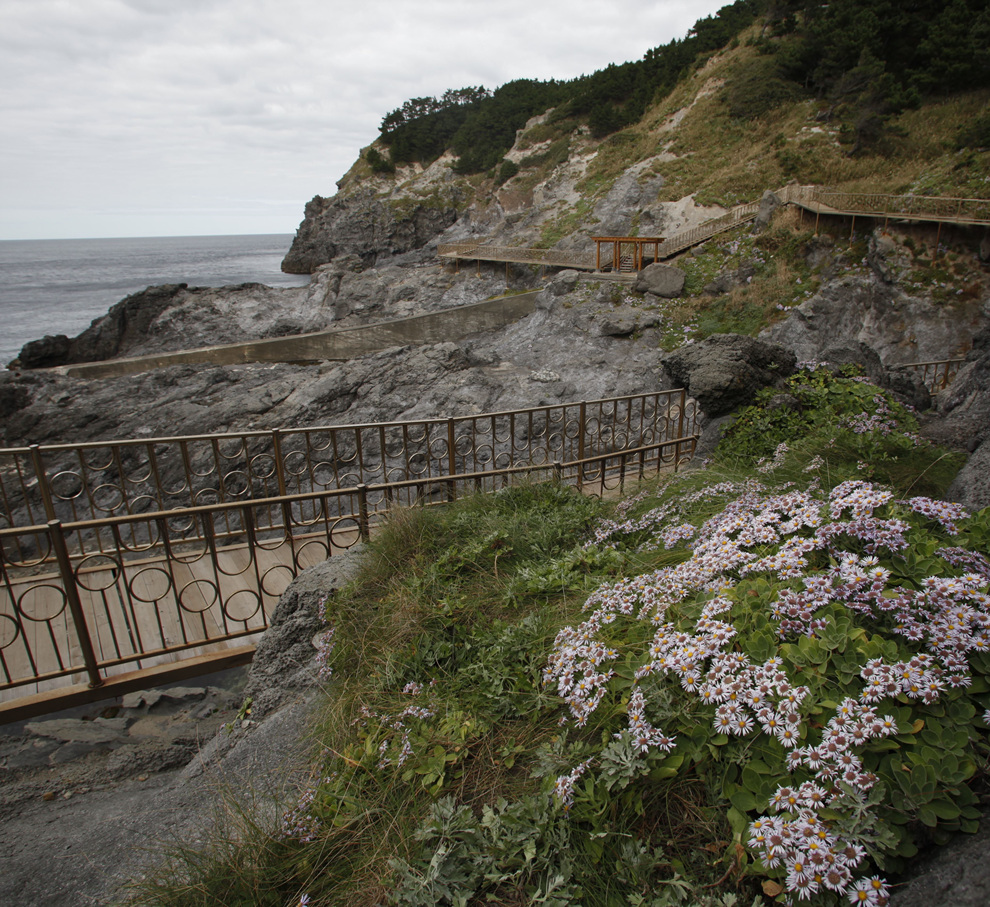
863,61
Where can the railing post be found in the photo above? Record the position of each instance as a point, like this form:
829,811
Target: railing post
57,536
451,460
582,419
558,472
283,490
279,464
46,492
364,527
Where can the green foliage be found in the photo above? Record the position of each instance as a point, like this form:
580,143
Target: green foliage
761,89
975,134
379,163
506,171
856,429
480,126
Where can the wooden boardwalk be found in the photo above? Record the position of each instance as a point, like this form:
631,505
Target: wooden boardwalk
817,199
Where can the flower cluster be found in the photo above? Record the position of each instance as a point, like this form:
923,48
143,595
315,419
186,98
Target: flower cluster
779,455
564,787
396,749
822,554
882,421
300,822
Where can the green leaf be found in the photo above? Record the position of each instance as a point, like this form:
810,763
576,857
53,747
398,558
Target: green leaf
744,801
738,822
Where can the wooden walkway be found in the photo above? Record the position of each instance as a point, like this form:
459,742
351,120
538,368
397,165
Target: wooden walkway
817,199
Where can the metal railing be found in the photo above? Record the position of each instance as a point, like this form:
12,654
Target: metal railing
937,375
135,550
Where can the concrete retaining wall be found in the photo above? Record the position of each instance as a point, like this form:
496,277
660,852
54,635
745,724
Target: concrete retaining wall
347,343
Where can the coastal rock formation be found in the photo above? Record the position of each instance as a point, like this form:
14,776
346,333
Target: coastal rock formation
883,309
487,373
366,225
341,294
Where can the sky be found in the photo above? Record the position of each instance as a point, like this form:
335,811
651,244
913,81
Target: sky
208,117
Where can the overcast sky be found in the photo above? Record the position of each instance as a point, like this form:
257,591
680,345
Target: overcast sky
199,117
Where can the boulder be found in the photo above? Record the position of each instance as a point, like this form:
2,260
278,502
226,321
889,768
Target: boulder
50,351
971,487
861,309
284,660
768,204
725,371
626,320
661,280
962,410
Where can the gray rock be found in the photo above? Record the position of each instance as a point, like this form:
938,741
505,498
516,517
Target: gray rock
51,350
183,694
725,371
768,204
366,225
563,283
33,754
283,661
626,320
819,251
76,749
130,760
661,280
144,698
720,285
74,730
710,436
889,259
901,328
971,487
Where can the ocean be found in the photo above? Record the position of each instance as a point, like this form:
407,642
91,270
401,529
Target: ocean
58,286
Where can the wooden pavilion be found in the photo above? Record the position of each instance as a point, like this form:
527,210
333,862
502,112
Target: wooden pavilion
626,253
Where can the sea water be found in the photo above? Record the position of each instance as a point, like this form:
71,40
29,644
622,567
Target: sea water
58,286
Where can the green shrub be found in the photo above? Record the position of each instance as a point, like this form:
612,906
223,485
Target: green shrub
505,172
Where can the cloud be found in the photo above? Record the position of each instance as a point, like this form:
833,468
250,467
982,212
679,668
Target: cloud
142,106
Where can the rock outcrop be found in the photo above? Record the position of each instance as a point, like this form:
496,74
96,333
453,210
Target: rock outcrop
725,371
367,225
567,335
901,328
284,662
